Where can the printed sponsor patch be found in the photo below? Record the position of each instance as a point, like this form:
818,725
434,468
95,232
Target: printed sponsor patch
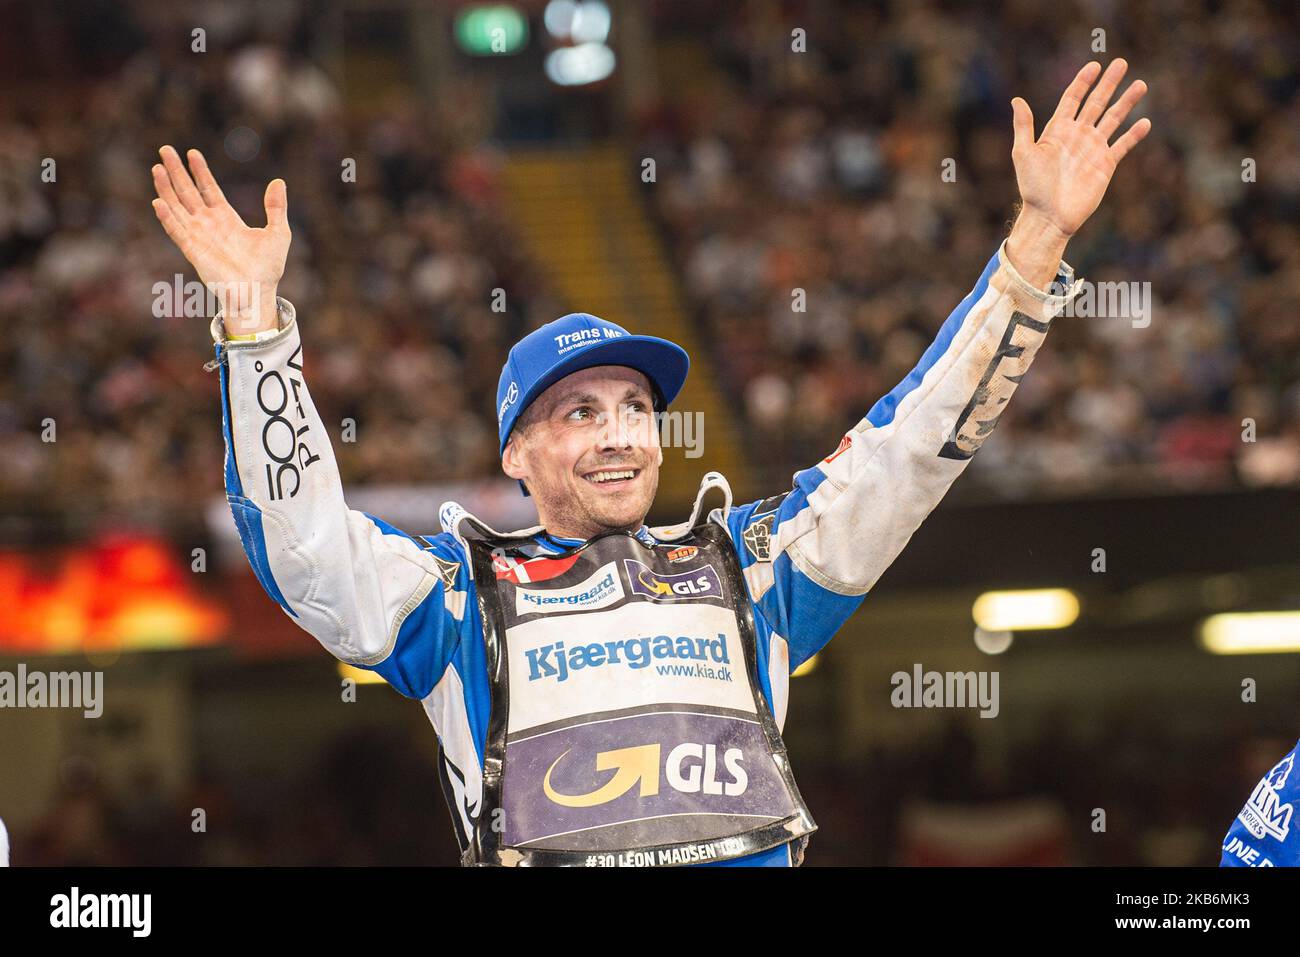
683,656
447,571
682,554
512,393
1265,813
841,449
600,590
583,337
758,538
668,776
531,569
635,653
1000,378
701,582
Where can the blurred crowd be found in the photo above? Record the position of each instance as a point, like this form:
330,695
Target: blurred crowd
393,273
821,171
818,171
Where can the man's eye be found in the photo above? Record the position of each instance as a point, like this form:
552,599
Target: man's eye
581,412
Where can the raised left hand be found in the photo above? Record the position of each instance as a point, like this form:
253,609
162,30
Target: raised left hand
1064,175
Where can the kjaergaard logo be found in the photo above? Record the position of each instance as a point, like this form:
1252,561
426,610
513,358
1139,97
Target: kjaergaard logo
684,656
600,590
699,583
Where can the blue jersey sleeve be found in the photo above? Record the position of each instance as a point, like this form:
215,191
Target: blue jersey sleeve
1264,833
373,596
811,554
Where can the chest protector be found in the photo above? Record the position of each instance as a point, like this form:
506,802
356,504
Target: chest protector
627,726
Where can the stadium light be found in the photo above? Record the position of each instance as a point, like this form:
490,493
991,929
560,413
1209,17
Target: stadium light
1251,633
580,65
581,27
993,642
362,676
808,667
570,21
1030,610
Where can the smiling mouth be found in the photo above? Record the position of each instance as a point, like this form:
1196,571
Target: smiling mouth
611,476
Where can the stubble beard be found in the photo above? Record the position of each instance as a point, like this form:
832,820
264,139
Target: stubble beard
584,517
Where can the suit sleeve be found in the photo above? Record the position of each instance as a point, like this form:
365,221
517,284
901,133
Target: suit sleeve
374,596
1265,833
812,553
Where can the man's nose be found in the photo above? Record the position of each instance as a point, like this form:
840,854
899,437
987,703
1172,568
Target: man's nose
614,432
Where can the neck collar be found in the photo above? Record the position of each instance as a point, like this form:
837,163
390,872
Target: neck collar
559,541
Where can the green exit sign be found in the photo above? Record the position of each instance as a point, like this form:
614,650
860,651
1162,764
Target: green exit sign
498,30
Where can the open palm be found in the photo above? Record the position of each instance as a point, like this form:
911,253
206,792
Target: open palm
1063,176
240,263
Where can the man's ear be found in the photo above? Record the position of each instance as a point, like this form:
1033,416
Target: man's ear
512,459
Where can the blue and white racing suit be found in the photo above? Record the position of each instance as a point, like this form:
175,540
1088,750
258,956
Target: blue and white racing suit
1265,833
405,606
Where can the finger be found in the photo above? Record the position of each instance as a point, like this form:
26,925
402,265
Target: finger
203,178
1135,135
276,202
1022,125
181,182
1101,94
1073,95
173,226
162,185
1120,109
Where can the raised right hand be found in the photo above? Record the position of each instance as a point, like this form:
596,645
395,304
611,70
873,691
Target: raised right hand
240,264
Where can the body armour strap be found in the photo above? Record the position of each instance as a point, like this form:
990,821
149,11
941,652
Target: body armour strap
628,726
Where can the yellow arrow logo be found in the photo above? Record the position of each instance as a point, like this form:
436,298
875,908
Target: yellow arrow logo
629,765
654,584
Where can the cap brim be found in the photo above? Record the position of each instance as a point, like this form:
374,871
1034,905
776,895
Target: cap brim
664,363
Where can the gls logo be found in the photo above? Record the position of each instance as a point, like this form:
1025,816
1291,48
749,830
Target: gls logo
700,583
690,769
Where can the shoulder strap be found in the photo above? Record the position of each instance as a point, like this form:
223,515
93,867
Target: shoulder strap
712,480
464,526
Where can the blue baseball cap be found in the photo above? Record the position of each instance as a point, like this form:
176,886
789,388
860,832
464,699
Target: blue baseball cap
579,341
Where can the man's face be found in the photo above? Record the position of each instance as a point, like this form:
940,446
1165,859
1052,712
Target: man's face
589,452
